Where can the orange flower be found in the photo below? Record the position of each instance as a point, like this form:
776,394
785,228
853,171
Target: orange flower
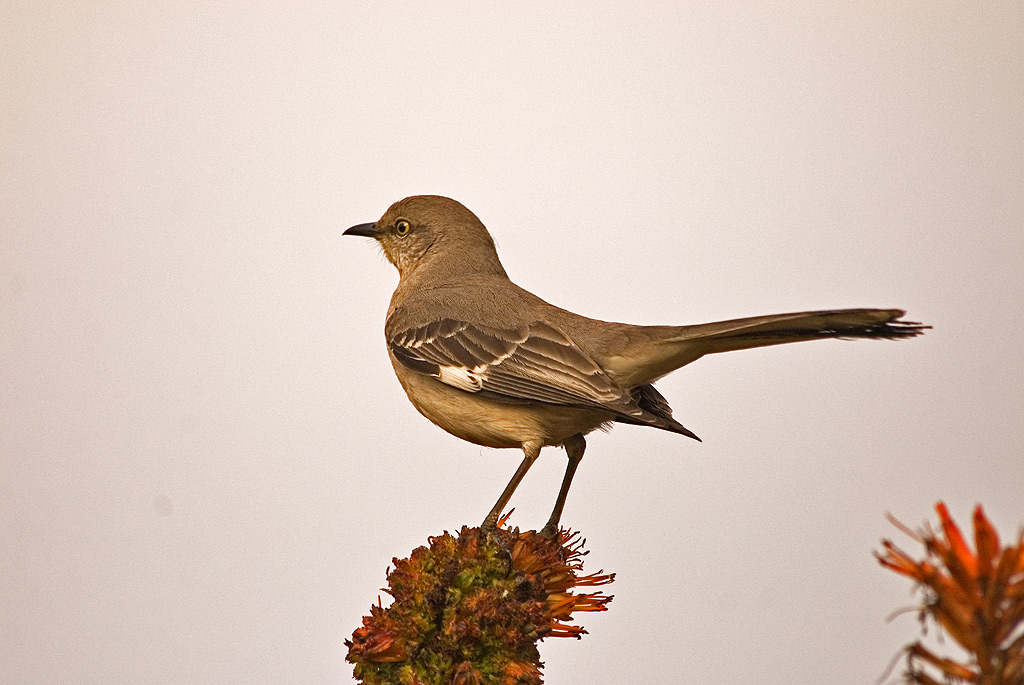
977,597
471,609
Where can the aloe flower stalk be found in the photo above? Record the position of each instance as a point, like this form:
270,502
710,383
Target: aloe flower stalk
977,597
472,608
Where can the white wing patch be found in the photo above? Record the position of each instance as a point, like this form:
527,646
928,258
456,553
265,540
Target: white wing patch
470,380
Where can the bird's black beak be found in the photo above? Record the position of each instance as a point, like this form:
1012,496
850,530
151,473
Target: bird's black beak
364,230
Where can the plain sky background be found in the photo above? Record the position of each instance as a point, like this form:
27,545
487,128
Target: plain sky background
206,464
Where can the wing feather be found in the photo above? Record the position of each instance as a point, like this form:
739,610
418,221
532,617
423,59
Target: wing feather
533,363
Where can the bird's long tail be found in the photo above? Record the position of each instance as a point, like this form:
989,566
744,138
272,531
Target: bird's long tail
663,349
659,350
759,331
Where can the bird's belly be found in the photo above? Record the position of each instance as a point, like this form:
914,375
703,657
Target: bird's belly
490,423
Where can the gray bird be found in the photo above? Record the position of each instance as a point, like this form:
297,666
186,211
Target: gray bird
496,365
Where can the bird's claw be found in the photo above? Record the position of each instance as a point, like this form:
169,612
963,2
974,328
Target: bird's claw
550,530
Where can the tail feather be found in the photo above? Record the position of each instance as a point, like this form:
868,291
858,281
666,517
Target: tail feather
760,331
655,351
662,349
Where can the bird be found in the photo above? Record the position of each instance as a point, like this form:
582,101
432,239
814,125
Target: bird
495,365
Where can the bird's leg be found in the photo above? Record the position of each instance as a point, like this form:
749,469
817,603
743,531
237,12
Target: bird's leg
574,448
531,450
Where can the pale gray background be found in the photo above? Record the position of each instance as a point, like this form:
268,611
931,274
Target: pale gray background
206,462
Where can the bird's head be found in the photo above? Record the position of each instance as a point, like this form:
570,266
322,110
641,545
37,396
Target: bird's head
435,230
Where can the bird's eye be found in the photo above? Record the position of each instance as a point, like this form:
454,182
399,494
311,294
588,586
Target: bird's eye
402,227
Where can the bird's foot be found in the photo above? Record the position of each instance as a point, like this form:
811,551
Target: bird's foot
490,524
490,535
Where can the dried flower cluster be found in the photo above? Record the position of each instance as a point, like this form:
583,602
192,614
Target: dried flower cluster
471,609
976,597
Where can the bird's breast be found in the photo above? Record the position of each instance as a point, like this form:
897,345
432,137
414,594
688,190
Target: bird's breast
492,423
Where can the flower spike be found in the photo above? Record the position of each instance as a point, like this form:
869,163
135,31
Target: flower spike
977,597
472,608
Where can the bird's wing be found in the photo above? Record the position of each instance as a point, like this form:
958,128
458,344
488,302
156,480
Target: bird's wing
530,363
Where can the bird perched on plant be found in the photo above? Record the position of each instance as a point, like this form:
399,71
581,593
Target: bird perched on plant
496,365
